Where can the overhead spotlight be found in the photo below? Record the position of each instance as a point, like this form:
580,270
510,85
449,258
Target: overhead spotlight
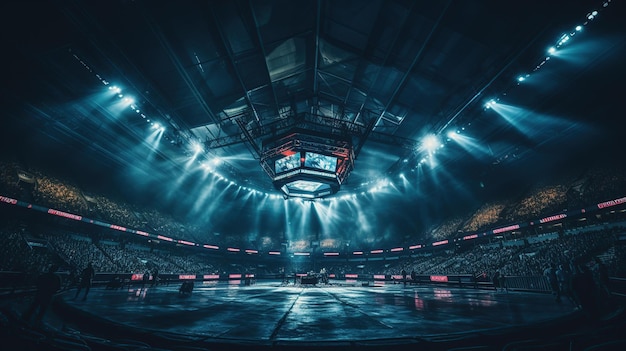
579,28
452,134
156,126
551,50
490,103
196,147
521,78
430,142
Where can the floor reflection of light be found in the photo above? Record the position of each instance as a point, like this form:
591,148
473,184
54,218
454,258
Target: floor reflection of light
418,303
138,294
482,302
442,294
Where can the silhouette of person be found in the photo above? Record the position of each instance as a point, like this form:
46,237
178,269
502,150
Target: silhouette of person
583,287
155,277
502,282
403,276
564,276
186,288
602,276
550,274
413,277
86,278
496,280
145,279
48,284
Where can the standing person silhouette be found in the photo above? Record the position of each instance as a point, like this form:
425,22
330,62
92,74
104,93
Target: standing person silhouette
86,278
155,276
496,280
403,276
550,274
601,273
48,284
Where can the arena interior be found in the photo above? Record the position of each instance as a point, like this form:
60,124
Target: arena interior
313,175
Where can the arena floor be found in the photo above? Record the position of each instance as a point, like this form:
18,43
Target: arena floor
273,312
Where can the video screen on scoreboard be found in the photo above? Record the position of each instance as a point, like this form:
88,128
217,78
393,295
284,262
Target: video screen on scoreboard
323,162
287,163
304,185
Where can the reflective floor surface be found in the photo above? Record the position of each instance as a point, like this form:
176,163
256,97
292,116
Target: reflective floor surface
271,311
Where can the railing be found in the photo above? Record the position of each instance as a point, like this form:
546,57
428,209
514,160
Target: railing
12,282
532,283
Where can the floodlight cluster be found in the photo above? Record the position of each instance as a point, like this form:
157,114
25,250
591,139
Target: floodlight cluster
194,147
429,145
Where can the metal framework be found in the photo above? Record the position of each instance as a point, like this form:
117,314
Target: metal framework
298,141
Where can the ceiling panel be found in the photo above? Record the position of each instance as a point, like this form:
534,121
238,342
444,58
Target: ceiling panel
230,74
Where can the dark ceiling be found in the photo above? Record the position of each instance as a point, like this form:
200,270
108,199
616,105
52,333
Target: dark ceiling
229,74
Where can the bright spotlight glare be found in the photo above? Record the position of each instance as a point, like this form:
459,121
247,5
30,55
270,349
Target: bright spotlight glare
452,134
197,148
430,142
521,78
552,50
490,103
579,28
